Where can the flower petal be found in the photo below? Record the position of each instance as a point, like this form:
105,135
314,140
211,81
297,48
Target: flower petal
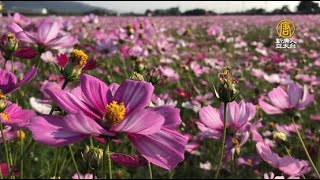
7,81
210,117
135,94
171,116
295,93
95,91
306,98
267,155
70,103
141,122
269,109
47,31
165,148
27,78
52,130
64,41
79,123
279,98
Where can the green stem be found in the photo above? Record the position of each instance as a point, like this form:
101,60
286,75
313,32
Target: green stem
171,174
194,86
22,157
56,157
74,161
5,146
4,65
304,147
150,170
125,67
65,83
21,153
107,152
12,65
223,139
91,142
1,176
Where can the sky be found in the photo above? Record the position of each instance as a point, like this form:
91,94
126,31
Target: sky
216,6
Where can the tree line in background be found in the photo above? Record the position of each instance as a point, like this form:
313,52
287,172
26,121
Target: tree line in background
304,7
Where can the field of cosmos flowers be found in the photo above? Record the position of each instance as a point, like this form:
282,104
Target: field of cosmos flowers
158,97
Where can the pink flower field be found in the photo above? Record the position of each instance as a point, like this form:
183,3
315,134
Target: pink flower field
87,97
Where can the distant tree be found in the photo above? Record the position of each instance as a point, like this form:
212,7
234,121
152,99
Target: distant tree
148,12
195,12
255,11
308,7
284,10
211,13
173,11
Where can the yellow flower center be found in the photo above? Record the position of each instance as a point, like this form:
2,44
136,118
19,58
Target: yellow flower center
235,142
5,116
115,112
21,135
11,36
249,161
2,96
79,57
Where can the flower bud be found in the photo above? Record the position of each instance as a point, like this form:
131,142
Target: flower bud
9,43
236,145
25,52
55,177
227,91
1,6
130,30
21,135
137,76
77,61
154,76
186,32
280,138
2,101
93,156
139,66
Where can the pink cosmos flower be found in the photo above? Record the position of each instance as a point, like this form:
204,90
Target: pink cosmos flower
169,73
25,52
91,18
19,19
130,161
10,134
86,176
5,170
48,35
8,81
251,160
314,117
238,117
97,109
271,175
286,164
295,98
14,116
215,30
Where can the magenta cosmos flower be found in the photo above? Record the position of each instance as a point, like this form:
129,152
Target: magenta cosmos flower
238,125
14,116
47,35
286,164
8,81
5,170
97,109
295,98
